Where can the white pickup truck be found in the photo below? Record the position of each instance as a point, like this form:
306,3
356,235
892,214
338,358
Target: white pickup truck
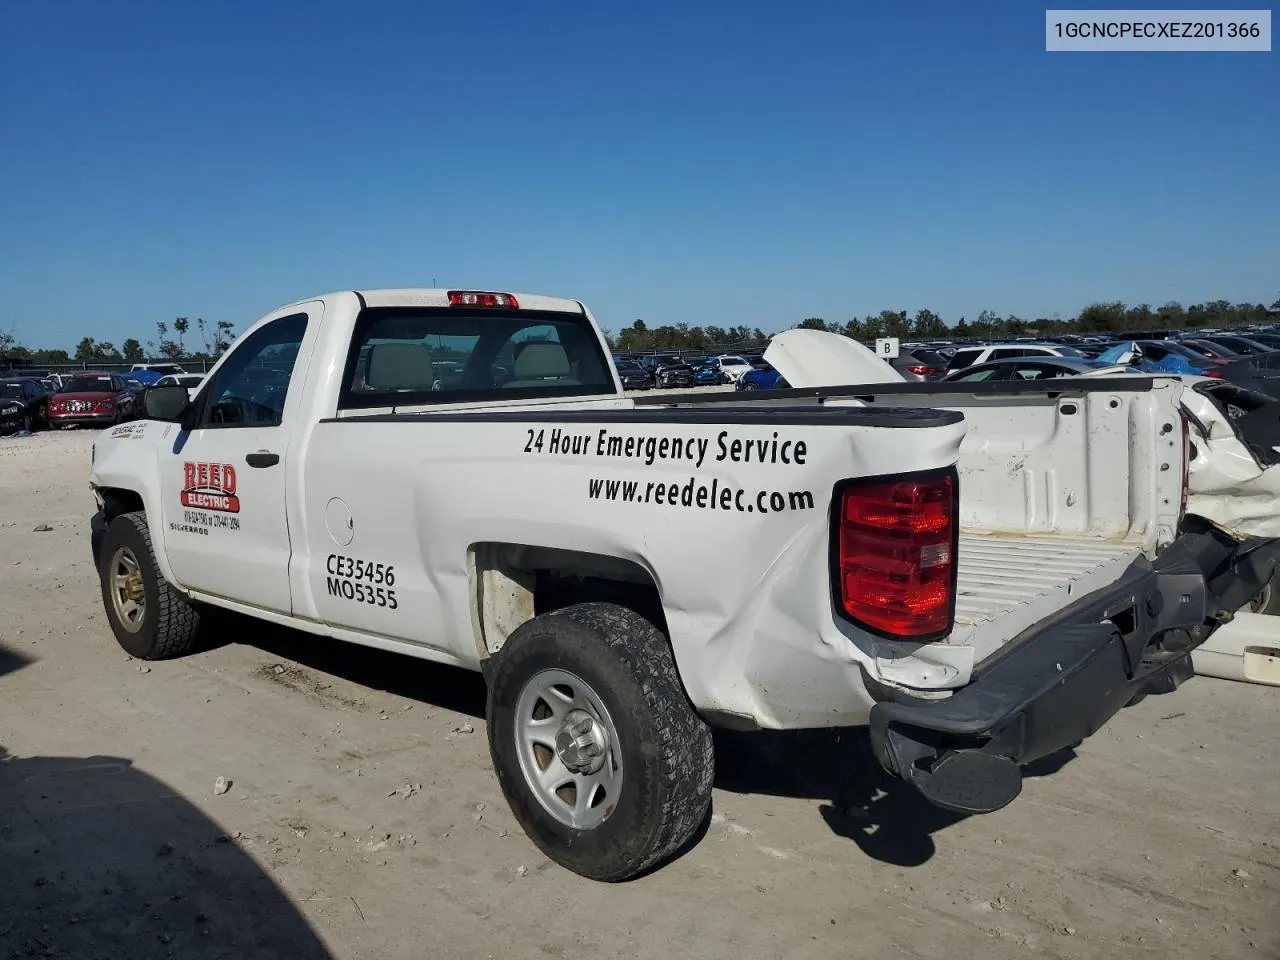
458,476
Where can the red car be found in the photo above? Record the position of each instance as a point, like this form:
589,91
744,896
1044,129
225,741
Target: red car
96,398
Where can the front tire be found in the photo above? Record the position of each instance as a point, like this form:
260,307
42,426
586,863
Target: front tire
151,620
598,751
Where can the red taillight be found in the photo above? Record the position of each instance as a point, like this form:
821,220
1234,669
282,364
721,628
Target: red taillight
1213,372
477,298
921,371
896,556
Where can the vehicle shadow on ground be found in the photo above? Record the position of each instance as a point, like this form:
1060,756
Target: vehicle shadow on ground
451,688
888,819
102,860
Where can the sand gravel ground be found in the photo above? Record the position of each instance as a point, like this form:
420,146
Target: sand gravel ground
362,820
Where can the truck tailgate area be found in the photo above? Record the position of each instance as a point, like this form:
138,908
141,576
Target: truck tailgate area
1007,582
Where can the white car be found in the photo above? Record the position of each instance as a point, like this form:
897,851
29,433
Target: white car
732,366
191,381
971,356
980,585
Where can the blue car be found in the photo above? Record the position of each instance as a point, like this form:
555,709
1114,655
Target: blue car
709,375
761,378
1160,356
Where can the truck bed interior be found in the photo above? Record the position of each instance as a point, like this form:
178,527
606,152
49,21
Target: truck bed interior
1009,582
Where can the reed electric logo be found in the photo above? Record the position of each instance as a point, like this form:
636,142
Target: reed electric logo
210,486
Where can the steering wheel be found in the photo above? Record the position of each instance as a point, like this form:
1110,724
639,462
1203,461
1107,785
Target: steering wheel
224,409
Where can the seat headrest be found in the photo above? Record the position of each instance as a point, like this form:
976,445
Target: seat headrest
541,361
399,366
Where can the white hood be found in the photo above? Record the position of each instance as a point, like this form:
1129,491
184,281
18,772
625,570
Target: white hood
815,358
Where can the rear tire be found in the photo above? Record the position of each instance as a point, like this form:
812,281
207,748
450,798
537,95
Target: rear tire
151,620
598,683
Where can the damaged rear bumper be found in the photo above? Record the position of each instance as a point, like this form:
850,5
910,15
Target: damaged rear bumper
1062,680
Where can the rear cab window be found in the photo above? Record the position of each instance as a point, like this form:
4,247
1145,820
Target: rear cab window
407,356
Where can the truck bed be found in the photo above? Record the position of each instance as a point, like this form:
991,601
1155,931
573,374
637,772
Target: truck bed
1009,582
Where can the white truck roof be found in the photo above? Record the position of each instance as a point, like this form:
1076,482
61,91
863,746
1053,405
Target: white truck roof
439,297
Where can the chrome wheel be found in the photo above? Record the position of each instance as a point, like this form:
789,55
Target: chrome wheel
568,749
127,595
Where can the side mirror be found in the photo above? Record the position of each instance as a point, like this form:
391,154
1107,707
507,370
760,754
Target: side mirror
165,403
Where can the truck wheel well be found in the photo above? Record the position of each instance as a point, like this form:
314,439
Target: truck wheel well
512,583
116,501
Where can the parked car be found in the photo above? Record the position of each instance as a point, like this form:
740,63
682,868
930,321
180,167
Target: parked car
92,398
562,550
969,356
1239,345
1161,356
1208,349
32,396
1260,374
1269,340
633,376
151,373
672,372
709,374
1034,368
164,369
761,378
192,381
919,363
731,366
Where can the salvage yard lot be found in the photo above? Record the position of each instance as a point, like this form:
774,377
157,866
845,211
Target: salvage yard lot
362,819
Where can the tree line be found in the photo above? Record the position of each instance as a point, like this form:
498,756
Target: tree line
212,339
170,343
1110,317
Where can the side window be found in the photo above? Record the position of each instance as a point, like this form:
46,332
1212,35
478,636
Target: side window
963,358
974,376
1152,352
1007,353
251,387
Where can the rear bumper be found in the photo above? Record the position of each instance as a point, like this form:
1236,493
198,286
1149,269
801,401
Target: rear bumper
1063,680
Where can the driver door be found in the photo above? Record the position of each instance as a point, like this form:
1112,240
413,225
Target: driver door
223,480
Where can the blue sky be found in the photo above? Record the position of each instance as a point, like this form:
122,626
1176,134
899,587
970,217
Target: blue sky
700,162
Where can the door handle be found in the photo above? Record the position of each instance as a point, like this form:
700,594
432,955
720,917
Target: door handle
262,459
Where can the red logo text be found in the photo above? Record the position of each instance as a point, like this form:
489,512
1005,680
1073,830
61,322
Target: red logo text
210,486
